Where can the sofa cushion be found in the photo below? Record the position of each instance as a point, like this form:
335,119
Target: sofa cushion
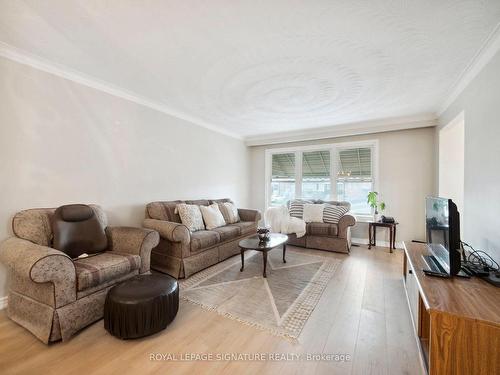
104,267
199,202
164,211
228,232
202,239
335,203
223,200
322,229
246,227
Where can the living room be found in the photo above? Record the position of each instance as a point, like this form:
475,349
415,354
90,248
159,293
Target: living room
247,187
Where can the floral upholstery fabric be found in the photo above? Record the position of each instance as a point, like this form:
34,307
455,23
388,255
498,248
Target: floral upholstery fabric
181,252
101,268
202,239
246,227
322,229
164,211
45,285
228,232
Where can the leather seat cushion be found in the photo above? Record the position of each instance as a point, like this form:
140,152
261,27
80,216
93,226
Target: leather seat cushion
228,232
322,229
202,239
101,268
246,227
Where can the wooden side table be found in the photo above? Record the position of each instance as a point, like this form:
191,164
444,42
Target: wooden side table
372,233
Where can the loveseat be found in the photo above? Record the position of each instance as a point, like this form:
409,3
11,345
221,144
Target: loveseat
325,236
182,253
54,296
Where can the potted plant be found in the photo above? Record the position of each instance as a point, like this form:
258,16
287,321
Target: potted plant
374,203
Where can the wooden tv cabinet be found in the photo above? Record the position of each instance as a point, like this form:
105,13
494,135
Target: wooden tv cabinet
456,321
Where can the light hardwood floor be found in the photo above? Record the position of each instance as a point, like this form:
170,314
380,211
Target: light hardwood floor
363,312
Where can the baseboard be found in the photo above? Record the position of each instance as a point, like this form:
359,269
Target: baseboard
3,302
364,241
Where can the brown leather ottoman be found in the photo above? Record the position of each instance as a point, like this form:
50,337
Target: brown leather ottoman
141,306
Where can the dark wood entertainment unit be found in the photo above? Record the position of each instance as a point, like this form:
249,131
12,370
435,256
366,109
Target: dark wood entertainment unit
456,320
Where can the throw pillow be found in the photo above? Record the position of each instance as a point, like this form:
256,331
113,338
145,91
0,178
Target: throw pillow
212,216
297,208
230,212
332,214
313,213
190,216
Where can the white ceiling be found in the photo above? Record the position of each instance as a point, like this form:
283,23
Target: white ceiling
261,67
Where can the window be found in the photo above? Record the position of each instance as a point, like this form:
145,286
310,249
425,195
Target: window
354,178
316,183
282,178
342,172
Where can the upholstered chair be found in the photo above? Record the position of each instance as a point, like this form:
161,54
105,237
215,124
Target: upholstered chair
54,296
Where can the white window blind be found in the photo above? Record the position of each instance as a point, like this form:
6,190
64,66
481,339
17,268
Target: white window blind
316,182
354,177
282,178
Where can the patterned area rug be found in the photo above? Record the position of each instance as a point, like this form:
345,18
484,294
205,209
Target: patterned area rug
280,303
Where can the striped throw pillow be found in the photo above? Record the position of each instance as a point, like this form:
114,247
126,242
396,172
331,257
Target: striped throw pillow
332,214
297,208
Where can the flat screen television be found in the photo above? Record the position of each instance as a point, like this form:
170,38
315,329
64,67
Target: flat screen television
443,233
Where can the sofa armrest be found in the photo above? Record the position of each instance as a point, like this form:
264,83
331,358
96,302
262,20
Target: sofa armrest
345,222
33,264
169,230
132,240
246,214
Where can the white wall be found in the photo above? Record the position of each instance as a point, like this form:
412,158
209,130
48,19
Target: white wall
480,104
451,163
406,177
61,142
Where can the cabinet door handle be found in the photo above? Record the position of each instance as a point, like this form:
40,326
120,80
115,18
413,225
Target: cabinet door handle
410,272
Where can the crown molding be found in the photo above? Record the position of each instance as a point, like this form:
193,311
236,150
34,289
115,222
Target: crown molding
40,63
344,130
487,51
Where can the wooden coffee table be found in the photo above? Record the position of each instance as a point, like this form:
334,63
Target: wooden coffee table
253,243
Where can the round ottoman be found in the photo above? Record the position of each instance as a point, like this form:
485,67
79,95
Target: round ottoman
141,306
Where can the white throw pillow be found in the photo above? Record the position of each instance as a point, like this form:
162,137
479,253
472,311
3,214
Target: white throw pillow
313,213
212,216
190,216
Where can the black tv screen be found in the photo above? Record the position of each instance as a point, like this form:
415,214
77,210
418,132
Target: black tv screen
443,231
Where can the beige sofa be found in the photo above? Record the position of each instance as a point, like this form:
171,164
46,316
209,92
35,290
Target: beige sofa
182,253
52,295
324,236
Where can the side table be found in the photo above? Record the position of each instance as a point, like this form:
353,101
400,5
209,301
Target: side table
372,233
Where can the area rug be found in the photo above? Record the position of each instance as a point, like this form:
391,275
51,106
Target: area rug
280,304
